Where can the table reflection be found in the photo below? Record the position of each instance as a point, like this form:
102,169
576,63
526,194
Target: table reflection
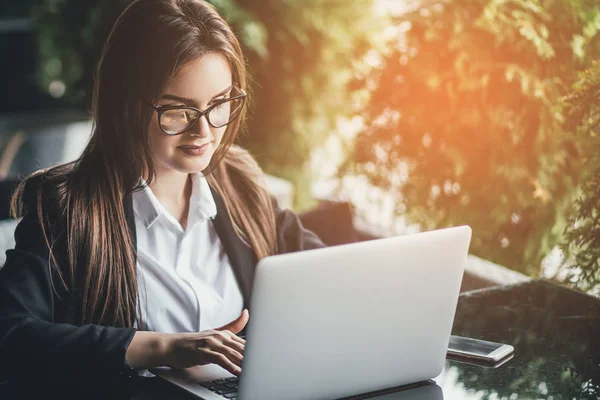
555,332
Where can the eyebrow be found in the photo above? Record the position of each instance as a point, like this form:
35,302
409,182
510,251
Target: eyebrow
192,101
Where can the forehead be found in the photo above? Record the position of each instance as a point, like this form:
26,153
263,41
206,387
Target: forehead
201,78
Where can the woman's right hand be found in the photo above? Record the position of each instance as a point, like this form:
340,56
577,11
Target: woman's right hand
219,346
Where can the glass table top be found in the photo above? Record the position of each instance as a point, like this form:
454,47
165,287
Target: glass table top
556,335
555,332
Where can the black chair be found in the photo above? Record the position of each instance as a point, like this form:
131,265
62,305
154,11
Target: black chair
332,222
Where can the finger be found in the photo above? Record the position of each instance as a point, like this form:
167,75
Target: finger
233,355
233,336
237,325
239,347
212,339
224,362
222,343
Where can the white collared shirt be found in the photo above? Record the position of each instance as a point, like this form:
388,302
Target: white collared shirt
185,279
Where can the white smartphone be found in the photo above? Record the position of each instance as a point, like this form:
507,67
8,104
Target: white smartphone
478,350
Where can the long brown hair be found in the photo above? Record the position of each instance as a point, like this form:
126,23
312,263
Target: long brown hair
149,43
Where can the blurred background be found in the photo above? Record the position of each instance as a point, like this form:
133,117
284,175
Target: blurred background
421,114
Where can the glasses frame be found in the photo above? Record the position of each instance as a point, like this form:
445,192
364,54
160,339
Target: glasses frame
161,109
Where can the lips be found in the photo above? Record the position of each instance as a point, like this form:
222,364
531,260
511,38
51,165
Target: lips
193,150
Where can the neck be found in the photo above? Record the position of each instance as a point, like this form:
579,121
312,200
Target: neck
171,186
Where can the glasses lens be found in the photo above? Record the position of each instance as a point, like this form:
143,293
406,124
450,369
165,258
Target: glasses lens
177,120
225,112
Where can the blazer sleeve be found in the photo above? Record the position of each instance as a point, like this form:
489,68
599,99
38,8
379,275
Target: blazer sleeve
31,338
292,236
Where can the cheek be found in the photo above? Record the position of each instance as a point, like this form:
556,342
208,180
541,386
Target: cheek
219,134
161,145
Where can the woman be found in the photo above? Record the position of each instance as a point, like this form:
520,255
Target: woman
141,253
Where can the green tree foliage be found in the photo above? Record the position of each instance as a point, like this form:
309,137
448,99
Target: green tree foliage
582,238
463,125
312,48
70,37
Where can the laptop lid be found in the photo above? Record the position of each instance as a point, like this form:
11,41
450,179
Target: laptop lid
338,321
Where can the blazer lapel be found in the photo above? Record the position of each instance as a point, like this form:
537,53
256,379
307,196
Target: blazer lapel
242,258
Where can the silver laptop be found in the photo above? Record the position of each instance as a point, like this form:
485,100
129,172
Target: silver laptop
339,321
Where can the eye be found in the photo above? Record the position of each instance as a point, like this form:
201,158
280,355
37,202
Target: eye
175,115
191,114
180,114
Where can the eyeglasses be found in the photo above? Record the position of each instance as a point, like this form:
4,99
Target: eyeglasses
175,120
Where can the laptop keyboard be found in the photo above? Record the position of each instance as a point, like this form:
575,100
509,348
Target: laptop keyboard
225,387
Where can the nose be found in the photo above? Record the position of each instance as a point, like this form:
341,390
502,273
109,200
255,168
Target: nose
201,128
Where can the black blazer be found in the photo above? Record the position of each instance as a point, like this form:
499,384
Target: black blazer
36,335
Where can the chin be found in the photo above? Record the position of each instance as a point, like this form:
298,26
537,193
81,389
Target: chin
195,166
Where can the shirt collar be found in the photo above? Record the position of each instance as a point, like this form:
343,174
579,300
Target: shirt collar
202,203
202,200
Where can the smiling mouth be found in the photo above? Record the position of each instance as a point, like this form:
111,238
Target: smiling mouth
194,150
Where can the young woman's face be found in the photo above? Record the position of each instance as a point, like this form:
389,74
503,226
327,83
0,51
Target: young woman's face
200,83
